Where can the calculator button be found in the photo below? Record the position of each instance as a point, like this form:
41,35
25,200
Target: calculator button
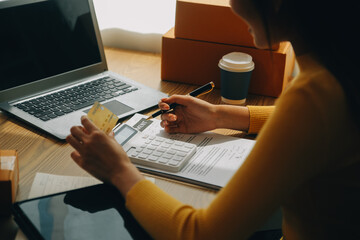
177,158
182,149
181,154
155,143
163,160
152,158
142,156
157,153
147,151
172,152
187,145
132,152
174,163
160,139
179,144
168,156
166,145
150,147
161,149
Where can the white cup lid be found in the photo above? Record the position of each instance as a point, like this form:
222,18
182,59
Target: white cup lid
237,62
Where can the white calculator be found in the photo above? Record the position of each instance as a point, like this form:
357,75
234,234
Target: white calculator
154,151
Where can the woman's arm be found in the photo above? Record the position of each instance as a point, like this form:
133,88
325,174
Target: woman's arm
249,118
193,115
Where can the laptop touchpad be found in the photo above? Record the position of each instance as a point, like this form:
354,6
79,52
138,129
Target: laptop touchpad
116,107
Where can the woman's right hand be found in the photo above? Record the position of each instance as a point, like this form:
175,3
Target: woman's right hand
191,115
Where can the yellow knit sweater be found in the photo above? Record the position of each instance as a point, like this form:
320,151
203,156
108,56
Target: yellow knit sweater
306,159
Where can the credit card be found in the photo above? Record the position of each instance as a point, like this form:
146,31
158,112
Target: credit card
102,117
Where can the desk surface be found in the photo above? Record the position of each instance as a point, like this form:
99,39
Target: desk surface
38,152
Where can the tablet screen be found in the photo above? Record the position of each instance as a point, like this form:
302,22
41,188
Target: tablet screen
96,212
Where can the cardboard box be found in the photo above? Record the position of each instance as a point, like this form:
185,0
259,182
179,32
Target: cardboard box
196,62
213,21
9,180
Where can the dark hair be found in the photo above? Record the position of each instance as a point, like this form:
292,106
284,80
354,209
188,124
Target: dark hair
328,28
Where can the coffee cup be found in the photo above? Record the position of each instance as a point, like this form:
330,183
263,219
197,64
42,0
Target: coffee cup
236,69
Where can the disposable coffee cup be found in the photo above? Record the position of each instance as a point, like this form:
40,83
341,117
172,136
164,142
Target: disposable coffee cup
236,69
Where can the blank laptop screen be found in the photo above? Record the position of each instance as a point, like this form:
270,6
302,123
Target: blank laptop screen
44,39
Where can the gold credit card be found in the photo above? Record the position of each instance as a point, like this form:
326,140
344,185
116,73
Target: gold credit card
102,117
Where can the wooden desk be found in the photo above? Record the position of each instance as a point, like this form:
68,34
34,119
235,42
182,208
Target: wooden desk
38,152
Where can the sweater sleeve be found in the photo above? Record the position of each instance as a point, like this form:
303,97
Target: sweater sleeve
154,209
258,116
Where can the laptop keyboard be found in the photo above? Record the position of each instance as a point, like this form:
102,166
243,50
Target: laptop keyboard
69,100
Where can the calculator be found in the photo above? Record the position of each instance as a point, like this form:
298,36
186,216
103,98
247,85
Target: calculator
154,151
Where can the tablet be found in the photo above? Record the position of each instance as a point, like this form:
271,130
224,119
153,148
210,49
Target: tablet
96,212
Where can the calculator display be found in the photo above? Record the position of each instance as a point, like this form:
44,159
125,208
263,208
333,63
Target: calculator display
124,134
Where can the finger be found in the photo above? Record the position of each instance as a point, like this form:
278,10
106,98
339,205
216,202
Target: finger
88,125
75,143
169,117
164,123
78,133
180,99
164,106
77,158
75,155
112,134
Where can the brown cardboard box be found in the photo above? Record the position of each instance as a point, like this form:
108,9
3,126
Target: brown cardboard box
9,179
212,21
196,62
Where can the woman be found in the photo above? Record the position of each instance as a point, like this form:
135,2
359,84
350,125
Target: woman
307,155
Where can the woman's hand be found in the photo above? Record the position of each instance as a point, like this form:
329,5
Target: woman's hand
101,156
192,115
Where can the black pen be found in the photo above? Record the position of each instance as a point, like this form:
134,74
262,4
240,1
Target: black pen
197,92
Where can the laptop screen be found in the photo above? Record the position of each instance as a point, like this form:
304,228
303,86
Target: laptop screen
45,38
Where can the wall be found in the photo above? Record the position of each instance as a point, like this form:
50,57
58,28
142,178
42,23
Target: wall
135,24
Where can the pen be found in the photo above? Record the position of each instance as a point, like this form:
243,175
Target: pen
197,92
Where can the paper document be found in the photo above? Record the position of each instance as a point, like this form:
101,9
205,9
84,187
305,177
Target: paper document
217,158
45,184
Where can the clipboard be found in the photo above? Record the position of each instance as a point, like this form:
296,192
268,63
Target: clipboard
95,212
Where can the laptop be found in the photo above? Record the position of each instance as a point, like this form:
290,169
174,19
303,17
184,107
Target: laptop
53,66
91,213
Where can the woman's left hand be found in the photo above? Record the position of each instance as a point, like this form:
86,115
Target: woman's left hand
102,156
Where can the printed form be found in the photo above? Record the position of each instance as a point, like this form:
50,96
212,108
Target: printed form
46,184
216,160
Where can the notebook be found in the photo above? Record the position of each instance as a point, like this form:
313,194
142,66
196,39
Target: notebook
91,213
53,67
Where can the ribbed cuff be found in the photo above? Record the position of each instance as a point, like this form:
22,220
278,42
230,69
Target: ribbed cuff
258,116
